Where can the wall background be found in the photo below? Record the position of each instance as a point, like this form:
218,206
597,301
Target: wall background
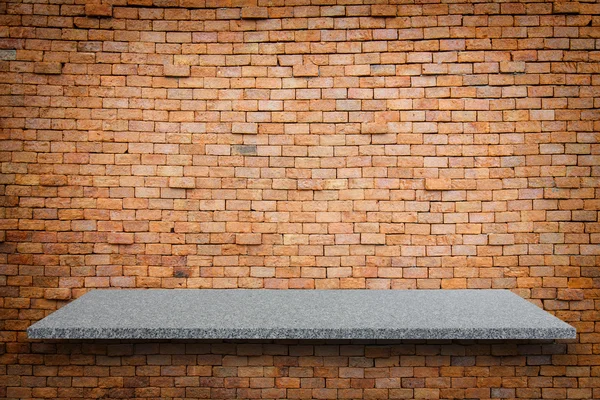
397,146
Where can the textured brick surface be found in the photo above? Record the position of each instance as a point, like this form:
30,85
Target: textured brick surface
177,71
98,10
384,10
117,175
8,54
255,12
48,68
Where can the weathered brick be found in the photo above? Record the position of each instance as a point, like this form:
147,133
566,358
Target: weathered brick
419,145
255,12
244,128
176,70
565,7
384,10
248,238
8,54
182,183
120,238
98,10
306,70
244,149
49,68
501,239
310,184
53,180
439,184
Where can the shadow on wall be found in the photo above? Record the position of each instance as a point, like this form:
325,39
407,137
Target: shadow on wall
301,368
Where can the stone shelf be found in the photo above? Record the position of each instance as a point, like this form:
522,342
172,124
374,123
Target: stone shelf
300,314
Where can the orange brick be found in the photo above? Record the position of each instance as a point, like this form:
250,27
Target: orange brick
248,238
245,128
501,239
566,7
98,10
438,184
381,10
374,128
255,12
53,180
120,238
306,70
310,184
182,183
177,70
372,238
309,145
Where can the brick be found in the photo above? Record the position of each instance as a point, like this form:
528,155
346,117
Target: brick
565,7
372,238
310,184
248,238
512,66
8,54
98,10
48,68
374,128
255,12
182,183
53,180
177,71
120,238
244,149
249,128
438,184
383,10
306,70
501,239
422,145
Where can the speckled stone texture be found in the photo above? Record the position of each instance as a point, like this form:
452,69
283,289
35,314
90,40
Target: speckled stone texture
300,314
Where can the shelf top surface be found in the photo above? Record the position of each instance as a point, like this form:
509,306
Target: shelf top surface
300,314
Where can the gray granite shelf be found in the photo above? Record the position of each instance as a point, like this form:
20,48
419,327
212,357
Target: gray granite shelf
300,314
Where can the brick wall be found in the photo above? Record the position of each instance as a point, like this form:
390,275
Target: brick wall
299,144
